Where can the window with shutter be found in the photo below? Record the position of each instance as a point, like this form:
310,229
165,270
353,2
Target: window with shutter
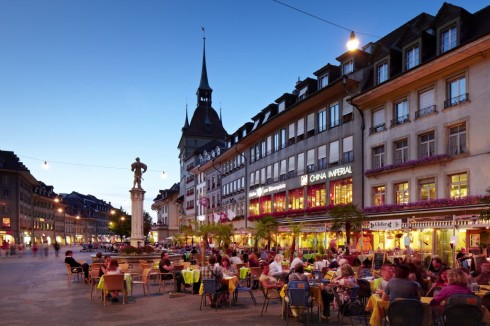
333,158
426,104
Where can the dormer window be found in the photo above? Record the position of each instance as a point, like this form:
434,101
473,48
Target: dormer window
244,133
412,58
448,38
236,138
256,124
323,81
266,117
348,67
381,72
282,106
302,94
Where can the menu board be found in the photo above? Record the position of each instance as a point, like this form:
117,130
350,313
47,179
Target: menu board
378,260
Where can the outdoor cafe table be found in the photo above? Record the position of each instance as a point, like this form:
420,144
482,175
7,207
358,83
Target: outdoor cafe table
315,290
392,258
127,279
363,257
191,276
230,281
244,271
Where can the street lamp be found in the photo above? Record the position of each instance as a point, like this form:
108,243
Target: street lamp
353,42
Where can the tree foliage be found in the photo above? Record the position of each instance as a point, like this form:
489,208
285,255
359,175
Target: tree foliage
265,228
346,218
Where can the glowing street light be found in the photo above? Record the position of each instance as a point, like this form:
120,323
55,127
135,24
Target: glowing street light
353,42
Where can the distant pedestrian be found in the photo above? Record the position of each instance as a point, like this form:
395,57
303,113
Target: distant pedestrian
21,250
5,248
34,249
56,246
46,249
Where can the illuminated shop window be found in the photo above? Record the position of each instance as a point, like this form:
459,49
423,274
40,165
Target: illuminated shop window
280,202
316,196
265,205
296,198
341,191
458,185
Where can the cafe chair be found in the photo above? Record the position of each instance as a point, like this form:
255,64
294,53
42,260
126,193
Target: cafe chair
95,266
209,289
405,312
72,272
255,273
166,278
468,299
242,287
317,275
351,307
269,294
124,267
364,291
462,314
485,301
299,298
93,281
238,266
114,282
145,281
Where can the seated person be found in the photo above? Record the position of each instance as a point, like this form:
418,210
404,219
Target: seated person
297,260
299,274
319,262
462,257
440,282
275,268
253,260
483,276
365,269
212,271
98,258
379,285
435,268
234,258
267,281
74,264
227,268
103,268
400,287
345,281
166,267
457,284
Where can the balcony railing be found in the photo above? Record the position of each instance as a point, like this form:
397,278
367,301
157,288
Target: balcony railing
424,112
456,100
400,120
378,128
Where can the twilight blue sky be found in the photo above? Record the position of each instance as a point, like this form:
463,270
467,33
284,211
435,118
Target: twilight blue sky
99,82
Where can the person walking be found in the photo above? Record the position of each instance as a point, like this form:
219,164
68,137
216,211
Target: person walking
34,249
46,249
56,246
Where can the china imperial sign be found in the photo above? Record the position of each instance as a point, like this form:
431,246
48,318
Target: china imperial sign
314,177
265,190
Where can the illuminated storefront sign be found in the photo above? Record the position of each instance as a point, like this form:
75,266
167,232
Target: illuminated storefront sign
385,225
265,190
314,177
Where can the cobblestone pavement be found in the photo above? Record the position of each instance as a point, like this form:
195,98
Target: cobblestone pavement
34,291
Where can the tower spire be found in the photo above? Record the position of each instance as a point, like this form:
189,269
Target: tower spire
204,91
186,124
